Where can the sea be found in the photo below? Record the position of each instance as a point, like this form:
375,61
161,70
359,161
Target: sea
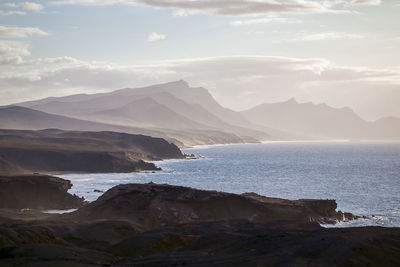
363,177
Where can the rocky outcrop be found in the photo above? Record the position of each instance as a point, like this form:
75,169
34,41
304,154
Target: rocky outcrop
65,151
318,210
151,205
162,225
37,192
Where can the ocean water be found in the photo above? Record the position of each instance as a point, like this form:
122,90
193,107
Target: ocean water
363,177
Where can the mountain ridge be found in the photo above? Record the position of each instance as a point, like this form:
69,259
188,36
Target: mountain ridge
16,117
176,106
321,121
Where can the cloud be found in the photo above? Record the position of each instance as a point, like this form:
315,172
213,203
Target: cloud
365,2
11,12
263,21
156,37
19,32
218,7
8,47
11,52
327,36
237,82
31,6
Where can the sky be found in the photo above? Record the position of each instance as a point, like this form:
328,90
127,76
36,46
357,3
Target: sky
245,52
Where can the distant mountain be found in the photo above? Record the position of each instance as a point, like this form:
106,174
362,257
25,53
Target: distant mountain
145,112
192,116
195,96
178,96
386,128
172,106
321,121
16,117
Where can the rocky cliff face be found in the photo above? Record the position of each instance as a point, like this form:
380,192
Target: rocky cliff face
65,151
46,160
318,210
37,192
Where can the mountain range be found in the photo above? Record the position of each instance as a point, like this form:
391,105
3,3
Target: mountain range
190,116
322,122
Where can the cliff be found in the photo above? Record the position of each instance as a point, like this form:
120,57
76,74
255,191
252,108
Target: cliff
71,151
37,192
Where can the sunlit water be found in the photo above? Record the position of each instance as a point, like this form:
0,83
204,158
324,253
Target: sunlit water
364,178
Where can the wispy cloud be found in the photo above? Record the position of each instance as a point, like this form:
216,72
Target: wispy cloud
264,21
19,32
11,12
11,52
218,7
365,2
31,6
327,36
153,37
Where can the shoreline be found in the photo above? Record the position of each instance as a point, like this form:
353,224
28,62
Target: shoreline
158,224
218,145
293,141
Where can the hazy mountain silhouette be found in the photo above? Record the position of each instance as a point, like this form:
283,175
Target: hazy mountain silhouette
320,121
16,117
146,112
192,116
173,106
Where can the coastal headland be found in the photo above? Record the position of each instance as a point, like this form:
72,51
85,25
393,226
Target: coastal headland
55,151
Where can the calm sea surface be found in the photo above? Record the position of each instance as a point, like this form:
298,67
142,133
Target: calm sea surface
363,177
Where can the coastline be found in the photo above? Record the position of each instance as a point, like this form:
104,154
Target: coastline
153,224
295,141
132,176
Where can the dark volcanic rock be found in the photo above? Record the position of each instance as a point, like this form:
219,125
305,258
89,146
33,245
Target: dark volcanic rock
217,243
43,160
278,243
162,225
152,205
37,192
319,210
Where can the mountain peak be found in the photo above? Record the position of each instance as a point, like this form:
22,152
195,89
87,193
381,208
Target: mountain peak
179,83
292,100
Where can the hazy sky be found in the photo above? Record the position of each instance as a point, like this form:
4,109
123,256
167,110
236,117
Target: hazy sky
246,52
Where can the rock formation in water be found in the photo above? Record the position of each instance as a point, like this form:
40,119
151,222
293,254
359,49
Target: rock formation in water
152,205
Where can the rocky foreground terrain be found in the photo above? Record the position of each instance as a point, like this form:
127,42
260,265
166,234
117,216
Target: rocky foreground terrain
55,150
38,192
163,225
